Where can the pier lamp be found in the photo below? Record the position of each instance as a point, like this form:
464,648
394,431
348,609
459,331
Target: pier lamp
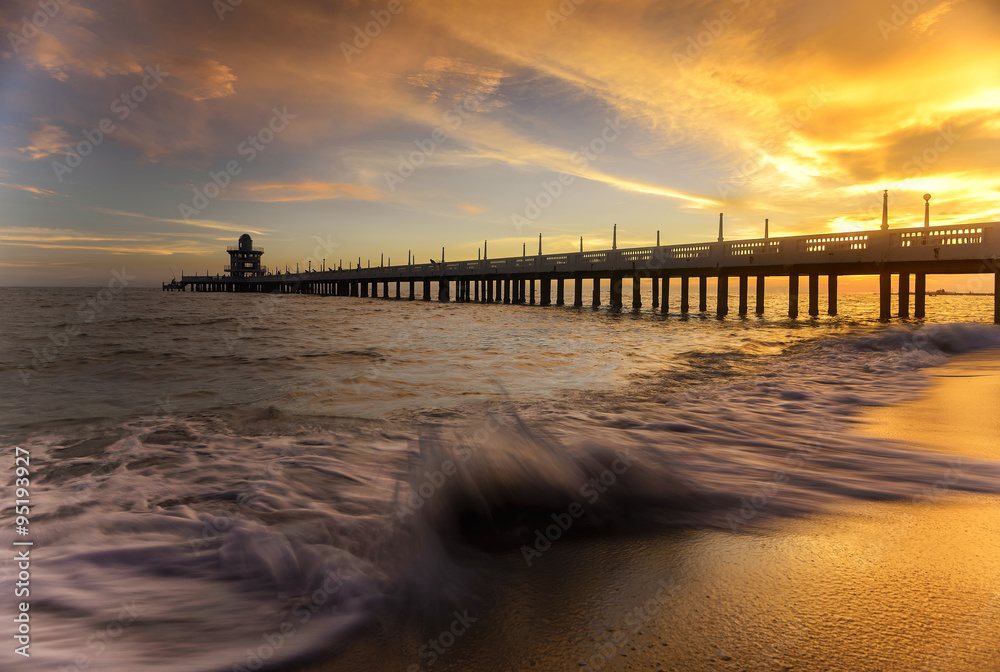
927,210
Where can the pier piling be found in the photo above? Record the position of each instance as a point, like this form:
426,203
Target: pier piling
793,296
813,295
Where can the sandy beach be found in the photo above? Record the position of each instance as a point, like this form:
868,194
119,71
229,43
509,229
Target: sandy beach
888,586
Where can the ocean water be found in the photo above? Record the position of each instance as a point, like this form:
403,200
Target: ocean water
211,471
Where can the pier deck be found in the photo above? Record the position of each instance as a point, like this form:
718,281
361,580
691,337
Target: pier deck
916,252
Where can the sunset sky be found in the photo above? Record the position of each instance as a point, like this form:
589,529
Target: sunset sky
451,123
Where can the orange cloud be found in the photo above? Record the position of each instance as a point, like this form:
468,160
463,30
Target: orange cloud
30,189
45,140
303,191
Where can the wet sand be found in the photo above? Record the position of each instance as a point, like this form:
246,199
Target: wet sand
888,586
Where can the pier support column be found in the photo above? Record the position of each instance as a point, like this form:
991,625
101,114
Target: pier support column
743,296
597,291
884,296
813,295
919,295
996,297
759,298
560,292
685,294
702,293
476,297
489,291
793,295
616,291
637,291
831,294
722,296
665,294
427,290
385,289
656,291
412,290
398,289
578,292
364,289
545,291
506,291
531,293
904,294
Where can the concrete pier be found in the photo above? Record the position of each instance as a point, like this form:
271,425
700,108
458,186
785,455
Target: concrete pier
906,253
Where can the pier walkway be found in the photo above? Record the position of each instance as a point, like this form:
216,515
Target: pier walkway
903,255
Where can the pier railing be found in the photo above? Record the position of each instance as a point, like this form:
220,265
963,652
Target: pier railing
915,244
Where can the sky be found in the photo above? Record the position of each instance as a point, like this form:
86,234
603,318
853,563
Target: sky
149,135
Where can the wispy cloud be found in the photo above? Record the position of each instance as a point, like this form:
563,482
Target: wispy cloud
45,140
196,223
38,191
267,192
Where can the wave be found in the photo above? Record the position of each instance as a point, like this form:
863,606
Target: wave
225,526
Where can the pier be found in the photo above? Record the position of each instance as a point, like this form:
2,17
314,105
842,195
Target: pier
899,257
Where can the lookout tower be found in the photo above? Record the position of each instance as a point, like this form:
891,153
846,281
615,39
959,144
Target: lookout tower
244,259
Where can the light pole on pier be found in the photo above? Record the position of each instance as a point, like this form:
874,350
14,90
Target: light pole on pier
885,210
927,211
614,237
720,227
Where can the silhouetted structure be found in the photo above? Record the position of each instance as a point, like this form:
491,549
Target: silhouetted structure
961,248
244,259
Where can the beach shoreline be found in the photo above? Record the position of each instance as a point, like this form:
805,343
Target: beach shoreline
865,585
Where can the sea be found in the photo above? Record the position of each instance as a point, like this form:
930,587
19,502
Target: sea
234,482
